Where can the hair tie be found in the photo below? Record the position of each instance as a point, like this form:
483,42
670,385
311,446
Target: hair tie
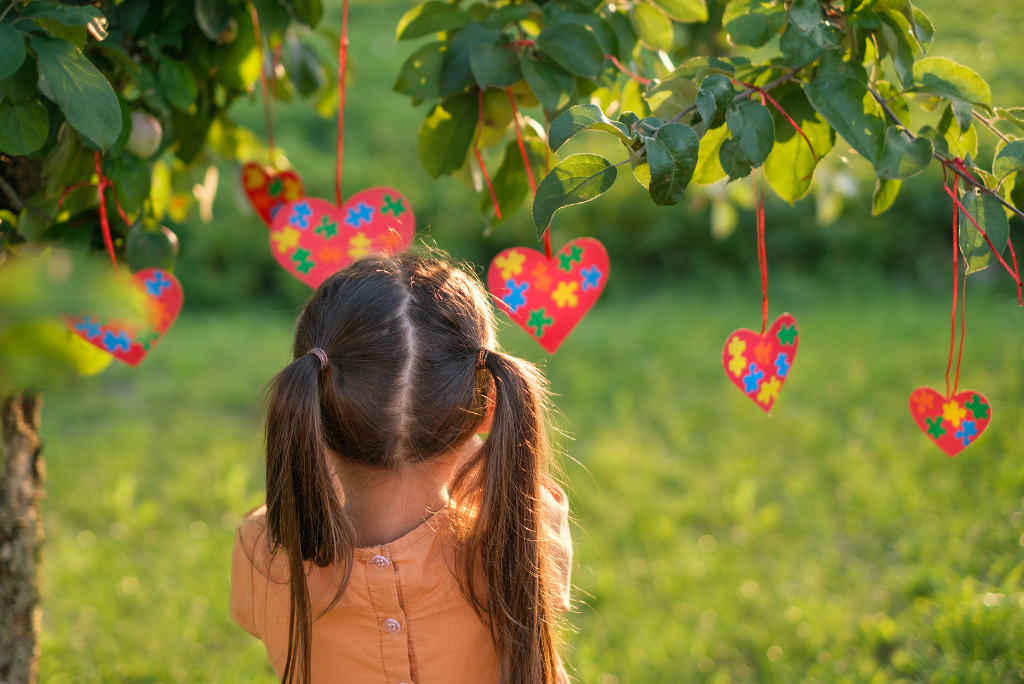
320,354
481,358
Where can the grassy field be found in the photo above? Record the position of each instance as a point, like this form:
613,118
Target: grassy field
830,541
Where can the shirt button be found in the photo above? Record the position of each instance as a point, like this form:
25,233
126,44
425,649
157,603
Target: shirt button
380,562
392,626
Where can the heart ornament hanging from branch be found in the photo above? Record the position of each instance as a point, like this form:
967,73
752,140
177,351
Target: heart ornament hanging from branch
758,364
313,238
129,340
269,190
954,423
548,297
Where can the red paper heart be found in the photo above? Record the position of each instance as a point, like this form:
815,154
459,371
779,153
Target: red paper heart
312,238
269,190
547,298
954,423
131,340
759,364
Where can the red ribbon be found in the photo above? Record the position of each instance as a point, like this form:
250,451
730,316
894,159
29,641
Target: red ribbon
636,77
762,254
529,169
765,96
263,85
963,304
480,159
342,58
104,222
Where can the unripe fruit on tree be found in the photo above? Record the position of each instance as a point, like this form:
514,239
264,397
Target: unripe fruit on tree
146,134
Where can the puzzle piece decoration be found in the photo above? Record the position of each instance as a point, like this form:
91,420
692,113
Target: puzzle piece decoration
759,365
313,238
547,298
131,340
954,423
269,190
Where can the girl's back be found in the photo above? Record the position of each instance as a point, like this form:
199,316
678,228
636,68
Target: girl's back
396,546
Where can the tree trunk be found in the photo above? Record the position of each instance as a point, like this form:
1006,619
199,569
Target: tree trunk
22,477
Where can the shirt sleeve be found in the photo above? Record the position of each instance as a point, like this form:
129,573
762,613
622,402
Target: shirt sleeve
560,544
243,577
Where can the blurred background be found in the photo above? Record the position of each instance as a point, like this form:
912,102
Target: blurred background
831,541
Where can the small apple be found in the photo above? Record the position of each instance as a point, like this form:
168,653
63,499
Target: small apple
146,134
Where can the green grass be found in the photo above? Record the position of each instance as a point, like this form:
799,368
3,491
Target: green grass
830,541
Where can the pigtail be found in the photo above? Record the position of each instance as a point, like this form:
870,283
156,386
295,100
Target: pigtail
505,548
304,514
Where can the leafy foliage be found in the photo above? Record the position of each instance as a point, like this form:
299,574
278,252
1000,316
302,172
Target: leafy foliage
634,71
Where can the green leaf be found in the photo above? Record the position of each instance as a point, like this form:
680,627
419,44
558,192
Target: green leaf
84,16
709,169
897,102
958,144
670,97
494,65
790,166
304,69
585,117
150,246
431,17
23,127
839,94
552,84
22,84
685,11
1009,160
84,95
963,113
903,47
419,76
1014,115
945,78
131,178
752,134
989,214
447,133
603,31
671,158
456,72
924,31
578,178
211,15
652,27
903,158
243,61
807,35
178,83
573,47
12,50
273,18
713,97
309,12
753,22
510,183
884,195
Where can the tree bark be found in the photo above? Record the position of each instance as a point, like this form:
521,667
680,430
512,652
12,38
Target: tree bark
22,478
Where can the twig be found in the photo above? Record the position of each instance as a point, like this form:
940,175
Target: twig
989,124
745,95
9,8
946,162
633,157
18,203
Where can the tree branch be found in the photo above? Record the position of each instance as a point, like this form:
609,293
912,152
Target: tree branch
18,203
945,162
745,95
990,125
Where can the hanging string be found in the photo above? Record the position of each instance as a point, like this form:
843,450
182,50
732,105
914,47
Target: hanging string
762,254
480,159
263,86
765,99
529,168
1014,273
104,222
956,288
342,59
636,77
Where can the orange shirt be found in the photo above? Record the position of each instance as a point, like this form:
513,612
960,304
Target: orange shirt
402,619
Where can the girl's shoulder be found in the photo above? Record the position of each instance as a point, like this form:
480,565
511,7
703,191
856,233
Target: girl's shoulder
253,543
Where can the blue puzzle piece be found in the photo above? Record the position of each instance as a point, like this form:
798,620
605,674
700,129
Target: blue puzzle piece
515,297
300,215
591,277
90,327
363,213
782,365
752,379
967,432
157,284
112,342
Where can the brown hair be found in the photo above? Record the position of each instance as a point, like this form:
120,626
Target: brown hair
402,335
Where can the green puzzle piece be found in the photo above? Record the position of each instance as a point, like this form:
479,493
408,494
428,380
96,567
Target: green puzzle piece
327,228
978,408
538,321
574,256
788,334
302,262
395,206
935,426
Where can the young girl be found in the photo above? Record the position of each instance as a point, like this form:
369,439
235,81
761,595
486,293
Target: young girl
396,546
